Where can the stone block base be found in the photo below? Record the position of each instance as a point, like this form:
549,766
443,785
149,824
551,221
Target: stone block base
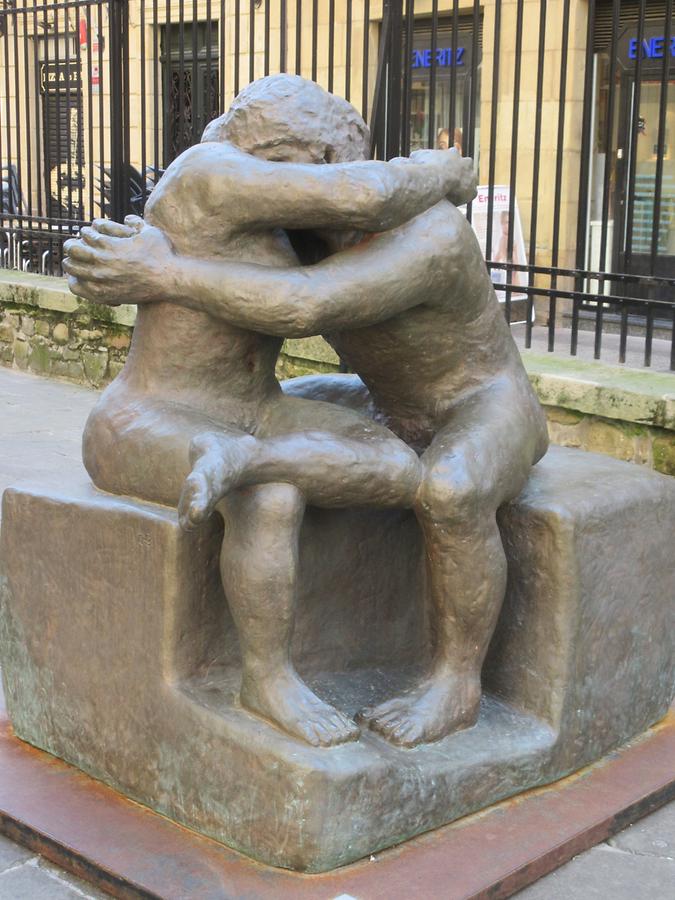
119,656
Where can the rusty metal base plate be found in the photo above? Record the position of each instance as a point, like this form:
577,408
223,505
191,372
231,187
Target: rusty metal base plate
129,851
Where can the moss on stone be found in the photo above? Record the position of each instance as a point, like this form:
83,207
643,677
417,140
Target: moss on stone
663,452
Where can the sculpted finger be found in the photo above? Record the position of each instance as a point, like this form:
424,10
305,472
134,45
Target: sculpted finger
112,229
95,239
79,288
134,222
80,269
79,251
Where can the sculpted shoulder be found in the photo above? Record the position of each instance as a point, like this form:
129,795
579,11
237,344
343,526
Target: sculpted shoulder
196,184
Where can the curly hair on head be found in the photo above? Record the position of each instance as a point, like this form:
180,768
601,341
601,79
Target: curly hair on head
291,112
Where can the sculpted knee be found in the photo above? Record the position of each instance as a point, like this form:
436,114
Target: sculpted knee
450,494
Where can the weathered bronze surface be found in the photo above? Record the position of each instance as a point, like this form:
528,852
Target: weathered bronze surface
317,696
137,682
412,310
133,853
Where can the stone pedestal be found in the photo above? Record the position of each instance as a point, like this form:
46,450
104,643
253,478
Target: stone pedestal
119,656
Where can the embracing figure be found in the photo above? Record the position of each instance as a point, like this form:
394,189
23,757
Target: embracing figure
247,240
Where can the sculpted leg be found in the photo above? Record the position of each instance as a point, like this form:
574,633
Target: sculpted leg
335,456
480,460
259,564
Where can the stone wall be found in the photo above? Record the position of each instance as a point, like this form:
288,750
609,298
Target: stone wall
46,330
625,413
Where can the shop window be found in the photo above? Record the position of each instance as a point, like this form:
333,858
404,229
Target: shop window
440,93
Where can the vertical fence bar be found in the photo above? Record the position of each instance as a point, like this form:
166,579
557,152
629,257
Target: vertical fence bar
38,124
251,41
90,113
157,87
119,109
194,75
632,161
453,77
69,140
584,172
267,25
393,96
331,45
348,51
560,159
616,11
283,25
222,57
493,128
57,106
366,60
469,141
17,113
211,110
432,73
649,332
29,140
513,174
298,37
144,148
181,73
536,164
623,333
658,181
104,204
407,76
315,36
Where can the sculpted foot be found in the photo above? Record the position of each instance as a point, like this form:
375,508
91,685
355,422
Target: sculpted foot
218,462
437,707
285,699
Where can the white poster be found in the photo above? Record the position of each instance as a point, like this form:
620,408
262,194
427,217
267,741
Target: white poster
500,235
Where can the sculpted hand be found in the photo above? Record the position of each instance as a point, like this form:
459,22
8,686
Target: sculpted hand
461,174
113,264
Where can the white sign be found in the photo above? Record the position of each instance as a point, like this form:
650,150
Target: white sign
500,236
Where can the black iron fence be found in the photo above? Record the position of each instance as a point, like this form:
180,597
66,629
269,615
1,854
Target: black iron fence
566,107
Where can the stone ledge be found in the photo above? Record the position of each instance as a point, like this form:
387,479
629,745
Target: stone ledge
611,392
25,289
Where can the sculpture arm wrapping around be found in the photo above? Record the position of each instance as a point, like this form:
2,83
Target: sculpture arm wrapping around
236,189
380,277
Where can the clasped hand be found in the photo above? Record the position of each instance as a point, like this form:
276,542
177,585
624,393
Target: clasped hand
114,264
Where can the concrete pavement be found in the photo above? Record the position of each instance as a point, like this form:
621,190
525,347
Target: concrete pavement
41,424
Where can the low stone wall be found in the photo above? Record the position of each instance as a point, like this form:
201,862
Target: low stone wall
625,413
46,330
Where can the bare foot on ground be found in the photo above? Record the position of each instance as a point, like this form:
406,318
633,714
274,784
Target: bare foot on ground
285,700
439,705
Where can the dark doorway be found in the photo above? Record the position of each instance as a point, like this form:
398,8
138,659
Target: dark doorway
191,83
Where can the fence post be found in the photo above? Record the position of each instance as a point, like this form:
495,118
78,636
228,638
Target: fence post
120,200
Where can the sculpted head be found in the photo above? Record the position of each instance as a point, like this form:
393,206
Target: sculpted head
286,118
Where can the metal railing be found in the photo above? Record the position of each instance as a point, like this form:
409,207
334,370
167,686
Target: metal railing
564,108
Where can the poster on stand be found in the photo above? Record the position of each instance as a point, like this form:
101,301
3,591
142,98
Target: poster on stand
500,232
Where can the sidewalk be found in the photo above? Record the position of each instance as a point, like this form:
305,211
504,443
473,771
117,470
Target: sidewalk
41,424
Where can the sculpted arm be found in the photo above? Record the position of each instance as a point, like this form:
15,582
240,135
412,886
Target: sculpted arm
246,193
371,282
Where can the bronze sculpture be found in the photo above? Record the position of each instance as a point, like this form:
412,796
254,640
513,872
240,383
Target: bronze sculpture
119,650
412,310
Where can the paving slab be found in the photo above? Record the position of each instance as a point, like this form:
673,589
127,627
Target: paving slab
12,854
605,873
653,836
36,880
